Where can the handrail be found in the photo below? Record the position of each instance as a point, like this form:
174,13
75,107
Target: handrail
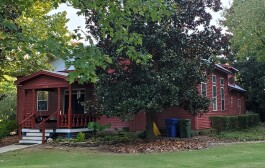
43,126
20,124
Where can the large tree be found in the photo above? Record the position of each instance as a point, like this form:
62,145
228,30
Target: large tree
29,37
252,77
154,51
245,20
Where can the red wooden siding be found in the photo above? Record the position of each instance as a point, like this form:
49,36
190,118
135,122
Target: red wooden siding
44,81
137,124
173,113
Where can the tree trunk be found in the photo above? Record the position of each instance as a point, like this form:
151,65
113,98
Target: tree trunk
150,136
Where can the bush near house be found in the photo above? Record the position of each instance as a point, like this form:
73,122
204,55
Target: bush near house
227,123
6,127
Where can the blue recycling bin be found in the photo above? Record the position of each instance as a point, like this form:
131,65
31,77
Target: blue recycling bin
171,127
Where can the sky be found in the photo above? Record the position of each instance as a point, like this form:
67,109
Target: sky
76,20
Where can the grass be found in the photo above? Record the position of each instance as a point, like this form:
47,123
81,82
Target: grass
251,134
227,156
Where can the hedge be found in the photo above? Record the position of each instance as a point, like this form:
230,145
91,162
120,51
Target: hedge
227,123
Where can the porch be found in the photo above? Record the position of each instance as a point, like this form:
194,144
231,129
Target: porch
46,100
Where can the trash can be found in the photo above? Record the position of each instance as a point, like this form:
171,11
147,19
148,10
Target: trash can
185,128
171,127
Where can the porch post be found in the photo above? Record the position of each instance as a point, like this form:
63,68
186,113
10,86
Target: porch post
59,106
33,108
24,102
70,108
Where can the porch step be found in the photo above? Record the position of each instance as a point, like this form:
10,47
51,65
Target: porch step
26,141
32,138
36,134
37,130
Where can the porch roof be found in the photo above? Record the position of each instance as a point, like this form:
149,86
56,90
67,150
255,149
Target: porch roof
61,75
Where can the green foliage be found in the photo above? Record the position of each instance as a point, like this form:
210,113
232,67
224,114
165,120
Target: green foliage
7,99
29,37
8,107
251,77
80,137
110,137
97,126
6,127
255,133
245,19
155,54
226,123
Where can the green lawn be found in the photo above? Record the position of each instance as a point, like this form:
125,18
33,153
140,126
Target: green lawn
256,133
237,156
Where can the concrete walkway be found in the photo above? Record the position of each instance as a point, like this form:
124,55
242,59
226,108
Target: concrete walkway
14,147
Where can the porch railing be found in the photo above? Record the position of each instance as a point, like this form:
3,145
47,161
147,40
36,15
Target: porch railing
78,120
28,122
43,126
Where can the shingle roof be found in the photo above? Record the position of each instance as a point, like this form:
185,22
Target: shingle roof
59,65
57,73
236,87
218,66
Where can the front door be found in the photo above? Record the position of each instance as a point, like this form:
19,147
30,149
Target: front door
78,101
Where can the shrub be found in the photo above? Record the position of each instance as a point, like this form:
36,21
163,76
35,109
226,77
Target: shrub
80,137
95,127
6,127
225,123
242,121
8,106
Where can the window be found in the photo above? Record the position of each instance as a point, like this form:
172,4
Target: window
239,106
222,81
42,100
203,89
222,99
232,101
214,98
214,79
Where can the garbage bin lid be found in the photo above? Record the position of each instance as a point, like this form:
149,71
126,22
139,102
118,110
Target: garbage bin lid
172,119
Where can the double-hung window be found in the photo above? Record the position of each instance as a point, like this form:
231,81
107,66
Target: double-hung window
222,94
214,92
42,100
203,89
222,99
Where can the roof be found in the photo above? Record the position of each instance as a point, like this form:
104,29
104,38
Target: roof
229,67
236,87
59,65
61,75
221,68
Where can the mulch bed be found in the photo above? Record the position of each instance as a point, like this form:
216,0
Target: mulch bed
8,140
161,144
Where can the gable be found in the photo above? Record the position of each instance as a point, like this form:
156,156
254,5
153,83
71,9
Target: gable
44,79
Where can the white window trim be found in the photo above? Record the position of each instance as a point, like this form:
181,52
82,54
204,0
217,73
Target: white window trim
221,82
239,106
215,98
222,99
42,100
214,76
205,89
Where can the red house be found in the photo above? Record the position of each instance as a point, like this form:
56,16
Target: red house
47,104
